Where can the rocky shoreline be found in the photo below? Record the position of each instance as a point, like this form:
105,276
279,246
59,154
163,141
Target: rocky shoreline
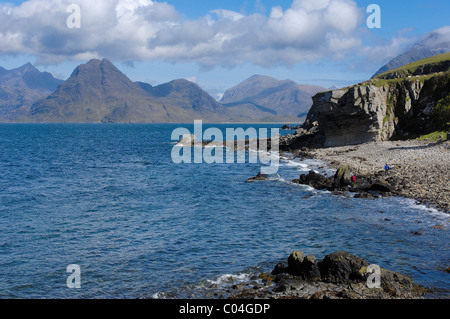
419,169
339,275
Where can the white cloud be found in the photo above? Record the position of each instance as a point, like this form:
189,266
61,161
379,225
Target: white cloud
192,79
131,30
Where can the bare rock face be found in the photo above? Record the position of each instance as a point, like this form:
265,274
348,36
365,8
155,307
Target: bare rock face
376,110
353,116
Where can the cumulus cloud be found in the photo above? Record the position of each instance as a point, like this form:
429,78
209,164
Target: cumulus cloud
438,39
132,30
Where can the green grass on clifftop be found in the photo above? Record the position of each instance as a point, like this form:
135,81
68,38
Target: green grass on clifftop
412,68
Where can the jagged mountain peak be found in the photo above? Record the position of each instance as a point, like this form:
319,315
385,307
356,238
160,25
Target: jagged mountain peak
27,67
28,76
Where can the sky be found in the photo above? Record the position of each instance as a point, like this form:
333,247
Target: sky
216,43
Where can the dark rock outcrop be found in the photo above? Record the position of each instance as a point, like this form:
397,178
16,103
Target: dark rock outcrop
379,186
364,186
342,178
339,275
258,177
303,266
342,267
314,180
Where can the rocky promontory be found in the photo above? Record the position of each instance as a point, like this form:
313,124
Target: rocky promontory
385,120
339,275
343,180
400,104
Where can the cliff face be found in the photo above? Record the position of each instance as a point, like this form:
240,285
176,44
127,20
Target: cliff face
377,110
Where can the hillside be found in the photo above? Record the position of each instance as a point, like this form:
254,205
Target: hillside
189,97
275,97
21,87
98,92
434,64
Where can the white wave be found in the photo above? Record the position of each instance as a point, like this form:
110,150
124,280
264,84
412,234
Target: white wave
157,295
436,214
228,279
305,187
215,146
293,164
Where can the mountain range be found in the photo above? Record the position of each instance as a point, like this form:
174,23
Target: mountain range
21,87
433,43
285,98
98,92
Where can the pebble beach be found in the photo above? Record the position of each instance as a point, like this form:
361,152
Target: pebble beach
419,169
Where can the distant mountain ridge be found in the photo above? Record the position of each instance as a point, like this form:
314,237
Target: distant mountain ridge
279,97
98,92
21,87
176,92
28,76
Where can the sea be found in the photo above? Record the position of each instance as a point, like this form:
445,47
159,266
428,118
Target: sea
109,199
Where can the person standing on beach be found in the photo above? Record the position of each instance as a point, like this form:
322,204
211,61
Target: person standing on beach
386,169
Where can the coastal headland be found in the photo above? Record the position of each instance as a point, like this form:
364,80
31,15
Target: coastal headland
400,118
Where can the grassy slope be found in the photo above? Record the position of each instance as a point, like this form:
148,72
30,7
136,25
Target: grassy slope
412,67
405,71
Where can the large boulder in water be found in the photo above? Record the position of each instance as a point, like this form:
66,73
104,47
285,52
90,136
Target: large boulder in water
314,180
339,275
303,266
259,177
342,178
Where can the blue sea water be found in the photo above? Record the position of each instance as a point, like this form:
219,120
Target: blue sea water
109,199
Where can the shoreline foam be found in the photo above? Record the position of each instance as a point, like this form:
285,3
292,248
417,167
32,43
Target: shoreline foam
419,169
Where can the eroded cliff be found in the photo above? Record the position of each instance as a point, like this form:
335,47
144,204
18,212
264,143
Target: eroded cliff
377,110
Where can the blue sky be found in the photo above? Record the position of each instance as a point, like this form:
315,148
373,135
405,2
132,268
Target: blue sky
215,43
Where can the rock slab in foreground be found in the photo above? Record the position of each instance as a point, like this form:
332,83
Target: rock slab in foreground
339,275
